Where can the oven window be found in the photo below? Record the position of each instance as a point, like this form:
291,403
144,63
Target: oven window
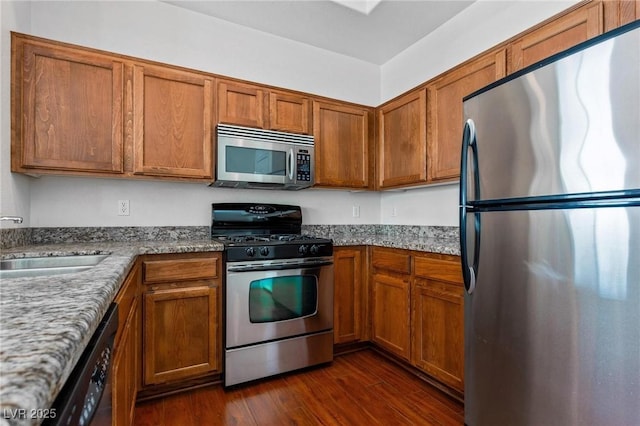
282,298
255,161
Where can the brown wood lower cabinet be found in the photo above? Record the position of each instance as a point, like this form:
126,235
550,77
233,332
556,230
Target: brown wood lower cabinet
391,314
391,303
417,311
438,319
349,265
181,327
126,360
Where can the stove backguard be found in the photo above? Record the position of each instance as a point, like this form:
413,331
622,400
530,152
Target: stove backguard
229,219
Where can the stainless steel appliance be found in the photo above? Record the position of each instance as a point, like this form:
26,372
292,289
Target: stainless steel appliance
86,396
550,239
278,291
263,159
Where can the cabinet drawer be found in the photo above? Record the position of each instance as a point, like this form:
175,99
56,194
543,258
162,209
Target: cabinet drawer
438,269
180,269
391,260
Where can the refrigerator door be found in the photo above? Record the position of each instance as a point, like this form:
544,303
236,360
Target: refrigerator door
552,330
570,127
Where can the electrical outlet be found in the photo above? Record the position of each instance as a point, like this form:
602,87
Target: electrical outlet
123,207
356,211
394,212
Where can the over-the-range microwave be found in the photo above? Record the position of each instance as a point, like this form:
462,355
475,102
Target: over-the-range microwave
263,159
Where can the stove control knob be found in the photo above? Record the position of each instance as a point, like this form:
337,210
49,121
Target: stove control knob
314,249
264,251
250,251
303,250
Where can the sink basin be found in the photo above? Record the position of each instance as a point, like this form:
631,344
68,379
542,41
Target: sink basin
56,265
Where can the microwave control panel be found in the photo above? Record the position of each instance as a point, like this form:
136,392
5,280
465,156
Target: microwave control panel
303,168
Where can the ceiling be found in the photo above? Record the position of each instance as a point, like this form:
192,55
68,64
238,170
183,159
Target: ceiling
371,30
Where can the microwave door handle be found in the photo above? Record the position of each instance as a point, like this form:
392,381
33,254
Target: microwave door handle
290,164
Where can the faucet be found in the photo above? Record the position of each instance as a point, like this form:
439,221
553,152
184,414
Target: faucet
15,219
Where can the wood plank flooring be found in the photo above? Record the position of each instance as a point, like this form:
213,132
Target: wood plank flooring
360,388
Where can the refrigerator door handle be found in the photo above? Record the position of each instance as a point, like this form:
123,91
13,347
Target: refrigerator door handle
469,272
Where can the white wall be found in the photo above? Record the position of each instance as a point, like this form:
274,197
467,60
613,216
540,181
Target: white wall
14,189
433,206
69,201
163,32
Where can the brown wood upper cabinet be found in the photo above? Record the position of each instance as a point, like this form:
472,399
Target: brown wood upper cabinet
289,112
81,111
557,35
67,108
402,141
257,106
620,12
172,122
445,119
342,145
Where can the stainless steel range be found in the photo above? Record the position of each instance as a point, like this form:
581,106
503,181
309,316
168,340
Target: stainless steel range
278,292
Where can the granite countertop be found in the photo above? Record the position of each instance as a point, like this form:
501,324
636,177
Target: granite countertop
442,240
46,322
426,244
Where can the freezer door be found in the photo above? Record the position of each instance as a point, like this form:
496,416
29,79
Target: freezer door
569,127
552,329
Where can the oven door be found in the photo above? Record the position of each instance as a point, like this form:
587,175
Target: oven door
272,300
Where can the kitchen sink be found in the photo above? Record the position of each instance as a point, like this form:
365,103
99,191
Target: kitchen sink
54,265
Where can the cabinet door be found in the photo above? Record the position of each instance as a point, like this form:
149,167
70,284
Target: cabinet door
180,333
620,12
391,314
241,104
402,141
557,35
446,115
289,112
342,145
348,306
67,109
438,331
172,121
125,370
126,364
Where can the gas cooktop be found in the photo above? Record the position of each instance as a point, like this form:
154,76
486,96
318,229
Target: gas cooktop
264,232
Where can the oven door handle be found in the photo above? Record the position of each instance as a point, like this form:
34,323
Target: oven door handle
279,266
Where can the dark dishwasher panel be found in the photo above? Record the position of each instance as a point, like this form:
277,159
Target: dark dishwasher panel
85,398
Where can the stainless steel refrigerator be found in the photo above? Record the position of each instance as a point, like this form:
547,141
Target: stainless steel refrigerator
550,240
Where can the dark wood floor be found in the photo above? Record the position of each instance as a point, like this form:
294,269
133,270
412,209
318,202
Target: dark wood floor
361,388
